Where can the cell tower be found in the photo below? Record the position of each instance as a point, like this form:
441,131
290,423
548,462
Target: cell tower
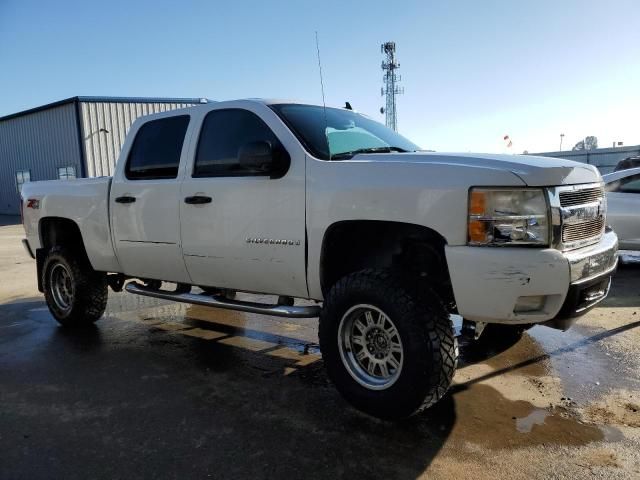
390,79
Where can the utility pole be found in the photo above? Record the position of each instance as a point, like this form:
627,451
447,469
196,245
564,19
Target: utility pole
390,79
561,138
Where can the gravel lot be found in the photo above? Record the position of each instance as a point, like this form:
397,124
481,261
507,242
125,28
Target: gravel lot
159,390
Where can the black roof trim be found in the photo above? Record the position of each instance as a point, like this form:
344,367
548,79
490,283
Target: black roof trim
105,100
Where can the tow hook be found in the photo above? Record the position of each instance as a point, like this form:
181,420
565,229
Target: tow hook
471,329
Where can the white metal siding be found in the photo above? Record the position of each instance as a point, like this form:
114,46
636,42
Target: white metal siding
101,148
40,142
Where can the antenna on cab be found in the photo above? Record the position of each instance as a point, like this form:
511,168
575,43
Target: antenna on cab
324,105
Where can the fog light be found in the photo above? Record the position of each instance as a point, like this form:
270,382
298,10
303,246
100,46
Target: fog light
530,304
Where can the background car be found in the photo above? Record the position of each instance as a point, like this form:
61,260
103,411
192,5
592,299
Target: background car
623,213
630,162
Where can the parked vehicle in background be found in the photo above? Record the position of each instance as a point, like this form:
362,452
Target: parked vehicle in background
302,201
623,199
630,162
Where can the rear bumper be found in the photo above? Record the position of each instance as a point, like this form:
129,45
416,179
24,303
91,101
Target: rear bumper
27,247
489,284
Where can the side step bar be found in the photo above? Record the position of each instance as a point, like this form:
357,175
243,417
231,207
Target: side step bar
219,301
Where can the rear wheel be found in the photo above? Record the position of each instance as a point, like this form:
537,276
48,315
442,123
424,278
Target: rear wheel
74,292
388,346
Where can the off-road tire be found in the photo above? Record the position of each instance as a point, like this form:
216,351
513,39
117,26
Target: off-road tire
429,344
90,288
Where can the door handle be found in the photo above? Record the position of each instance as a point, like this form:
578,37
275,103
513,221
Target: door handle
197,200
125,199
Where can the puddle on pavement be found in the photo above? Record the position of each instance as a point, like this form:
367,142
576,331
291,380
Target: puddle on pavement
536,417
586,371
541,352
482,414
485,417
473,412
292,344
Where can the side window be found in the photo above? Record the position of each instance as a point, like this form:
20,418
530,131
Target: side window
223,133
22,176
629,184
156,149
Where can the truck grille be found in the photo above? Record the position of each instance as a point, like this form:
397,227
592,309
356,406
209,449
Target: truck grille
580,197
582,231
583,213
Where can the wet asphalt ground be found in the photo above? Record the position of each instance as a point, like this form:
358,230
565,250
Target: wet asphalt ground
162,390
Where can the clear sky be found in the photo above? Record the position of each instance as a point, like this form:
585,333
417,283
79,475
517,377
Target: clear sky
473,71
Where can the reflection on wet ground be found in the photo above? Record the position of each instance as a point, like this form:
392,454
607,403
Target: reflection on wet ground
205,383
294,343
483,413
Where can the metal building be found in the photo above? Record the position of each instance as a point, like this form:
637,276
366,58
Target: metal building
75,137
605,159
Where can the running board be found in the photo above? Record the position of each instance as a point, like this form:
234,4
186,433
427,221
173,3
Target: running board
219,301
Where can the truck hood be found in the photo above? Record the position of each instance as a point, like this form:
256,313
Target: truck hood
534,171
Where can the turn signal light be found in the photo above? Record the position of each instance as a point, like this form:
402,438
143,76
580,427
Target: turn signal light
478,231
477,202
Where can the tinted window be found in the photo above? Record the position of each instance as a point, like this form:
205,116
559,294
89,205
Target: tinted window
156,149
223,133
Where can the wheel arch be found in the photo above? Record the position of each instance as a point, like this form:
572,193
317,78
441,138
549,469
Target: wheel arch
58,231
352,245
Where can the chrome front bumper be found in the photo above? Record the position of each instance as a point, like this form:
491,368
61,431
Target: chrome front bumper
591,270
594,261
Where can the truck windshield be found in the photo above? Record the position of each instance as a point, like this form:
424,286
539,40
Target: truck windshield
338,133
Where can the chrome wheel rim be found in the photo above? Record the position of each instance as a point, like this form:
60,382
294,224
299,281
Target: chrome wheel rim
62,289
370,347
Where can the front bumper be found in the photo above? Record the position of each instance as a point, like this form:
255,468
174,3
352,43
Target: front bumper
591,272
489,283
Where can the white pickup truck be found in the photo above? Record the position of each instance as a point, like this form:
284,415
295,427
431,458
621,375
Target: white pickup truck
304,202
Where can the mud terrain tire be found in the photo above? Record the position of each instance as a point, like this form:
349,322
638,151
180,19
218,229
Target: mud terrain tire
75,294
415,321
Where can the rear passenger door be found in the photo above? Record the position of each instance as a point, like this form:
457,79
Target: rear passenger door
144,202
250,235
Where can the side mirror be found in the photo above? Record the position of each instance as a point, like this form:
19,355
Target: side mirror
256,156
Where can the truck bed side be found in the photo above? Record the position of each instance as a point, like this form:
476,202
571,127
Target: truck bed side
85,202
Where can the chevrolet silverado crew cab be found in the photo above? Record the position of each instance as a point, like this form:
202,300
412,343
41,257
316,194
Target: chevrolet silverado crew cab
305,202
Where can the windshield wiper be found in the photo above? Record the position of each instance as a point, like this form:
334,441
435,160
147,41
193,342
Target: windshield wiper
346,155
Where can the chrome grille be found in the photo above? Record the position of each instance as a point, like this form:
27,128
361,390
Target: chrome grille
578,215
580,231
571,198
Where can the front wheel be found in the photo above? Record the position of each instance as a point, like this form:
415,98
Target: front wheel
387,343
75,293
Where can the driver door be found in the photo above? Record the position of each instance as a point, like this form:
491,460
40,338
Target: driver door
247,231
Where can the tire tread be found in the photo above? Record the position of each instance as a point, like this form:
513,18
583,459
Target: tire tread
91,289
425,314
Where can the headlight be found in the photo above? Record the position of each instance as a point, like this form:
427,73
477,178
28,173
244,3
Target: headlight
508,217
